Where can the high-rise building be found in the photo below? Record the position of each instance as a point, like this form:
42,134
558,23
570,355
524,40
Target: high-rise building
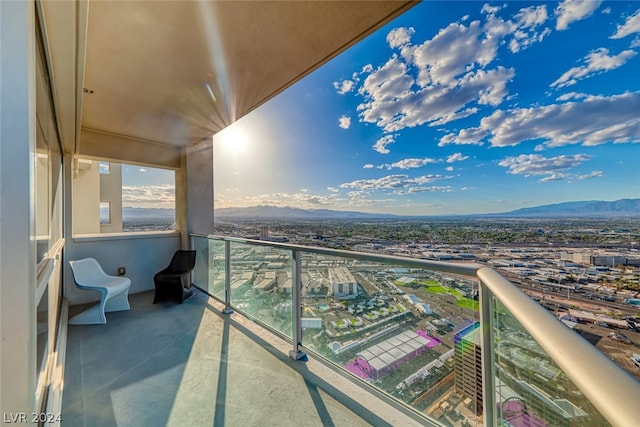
468,364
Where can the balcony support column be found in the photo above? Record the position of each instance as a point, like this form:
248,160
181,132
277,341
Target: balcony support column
199,188
297,353
227,278
488,373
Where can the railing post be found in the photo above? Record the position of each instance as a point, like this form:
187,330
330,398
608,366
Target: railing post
227,278
297,353
488,372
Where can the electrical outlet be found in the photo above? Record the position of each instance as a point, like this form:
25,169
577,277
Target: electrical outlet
121,271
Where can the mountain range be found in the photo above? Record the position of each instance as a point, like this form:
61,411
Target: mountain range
582,209
623,208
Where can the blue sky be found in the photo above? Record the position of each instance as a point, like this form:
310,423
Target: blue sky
453,108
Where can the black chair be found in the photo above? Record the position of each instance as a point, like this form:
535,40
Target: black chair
172,283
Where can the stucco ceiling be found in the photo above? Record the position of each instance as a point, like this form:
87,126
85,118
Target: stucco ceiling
176,72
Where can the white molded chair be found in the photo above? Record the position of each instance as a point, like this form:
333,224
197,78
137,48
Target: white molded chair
88,274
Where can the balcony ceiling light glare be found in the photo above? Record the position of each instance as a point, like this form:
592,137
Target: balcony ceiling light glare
213,97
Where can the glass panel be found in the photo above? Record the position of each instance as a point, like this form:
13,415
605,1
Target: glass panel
42,331
393,327
138,198
47,189
217,274
104,168
208,273
261,284
530,388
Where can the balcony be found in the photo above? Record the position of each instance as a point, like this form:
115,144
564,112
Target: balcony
414,343
189,364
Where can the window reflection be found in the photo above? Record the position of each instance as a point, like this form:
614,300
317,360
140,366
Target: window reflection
105,213
42,190
42,318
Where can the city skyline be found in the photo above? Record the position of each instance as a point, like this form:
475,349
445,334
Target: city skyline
452,108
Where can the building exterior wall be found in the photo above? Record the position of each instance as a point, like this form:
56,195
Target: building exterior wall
111,192
608,260
86,197
343,284
142,255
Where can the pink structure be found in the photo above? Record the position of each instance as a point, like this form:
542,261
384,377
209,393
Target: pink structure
381,358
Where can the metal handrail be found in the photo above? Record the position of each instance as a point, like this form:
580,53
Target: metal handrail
612,391
466,269
607,386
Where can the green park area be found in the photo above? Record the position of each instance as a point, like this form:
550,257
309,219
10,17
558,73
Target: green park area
437,289
461,300
468,303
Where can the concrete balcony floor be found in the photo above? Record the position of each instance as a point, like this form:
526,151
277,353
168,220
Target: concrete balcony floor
190,365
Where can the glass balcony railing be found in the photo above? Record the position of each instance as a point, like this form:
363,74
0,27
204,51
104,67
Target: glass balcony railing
456,343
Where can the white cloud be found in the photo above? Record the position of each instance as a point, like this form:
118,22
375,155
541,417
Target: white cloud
596,120
447,77
451,51
469,136
389,181
595,62
368,166
142,170
466,188
630,26
414,190
333,189
449,168
381,145
535,164
553,168
344,122
424,179
527,32
594,174
435,105
532,16
399,36
392,182
388,80
571,95
556,176
301,199
343,87
574,10
606,11
456,157
162,196
407,164
486,8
